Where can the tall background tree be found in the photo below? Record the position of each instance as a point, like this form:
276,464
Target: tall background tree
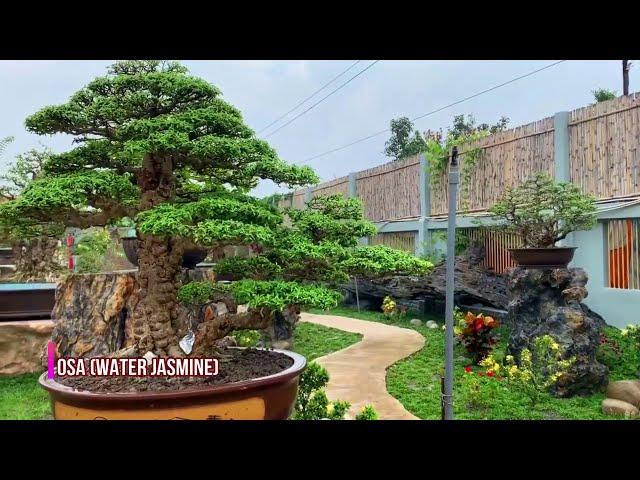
163,147
35,247
404,140
603,94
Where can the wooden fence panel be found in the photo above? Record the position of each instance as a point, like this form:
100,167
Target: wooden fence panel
508,158
496,246
604,141
339,186
390,191
399,240
298,199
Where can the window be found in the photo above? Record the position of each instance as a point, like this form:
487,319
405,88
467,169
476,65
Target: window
623,253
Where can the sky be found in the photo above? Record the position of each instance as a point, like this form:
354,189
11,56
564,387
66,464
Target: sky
263,90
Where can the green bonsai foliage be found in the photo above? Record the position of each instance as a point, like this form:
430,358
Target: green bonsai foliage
303,263
542,211
161,147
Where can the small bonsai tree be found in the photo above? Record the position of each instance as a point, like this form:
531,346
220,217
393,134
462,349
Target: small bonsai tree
161,147
302,264
34,245
542,211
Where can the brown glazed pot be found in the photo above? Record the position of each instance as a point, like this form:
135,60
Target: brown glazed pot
265,398
553,257
190,258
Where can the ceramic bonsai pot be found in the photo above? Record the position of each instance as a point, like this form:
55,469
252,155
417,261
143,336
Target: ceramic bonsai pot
190,258
552,257
266,398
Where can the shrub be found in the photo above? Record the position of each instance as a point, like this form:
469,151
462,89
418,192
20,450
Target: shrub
91,250
539,370
389,307
367,413
476,333
481,386
632,333
542,212
312,402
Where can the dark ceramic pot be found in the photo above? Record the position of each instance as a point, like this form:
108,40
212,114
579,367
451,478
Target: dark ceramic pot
190,258
266,398
553,257
26,301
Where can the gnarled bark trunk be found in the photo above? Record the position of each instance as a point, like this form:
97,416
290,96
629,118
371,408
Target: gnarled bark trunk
159,266
37,260
159,271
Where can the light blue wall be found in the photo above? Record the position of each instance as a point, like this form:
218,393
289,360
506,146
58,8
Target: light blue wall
619,307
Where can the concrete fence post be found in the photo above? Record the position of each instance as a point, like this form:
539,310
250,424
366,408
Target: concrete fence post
561,147
422,240
308,194
561,158
352,185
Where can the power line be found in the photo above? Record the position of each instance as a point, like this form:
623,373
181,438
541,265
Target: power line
311,96
433,111
324,98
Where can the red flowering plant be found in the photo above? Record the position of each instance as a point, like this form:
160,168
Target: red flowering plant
481,387
476,333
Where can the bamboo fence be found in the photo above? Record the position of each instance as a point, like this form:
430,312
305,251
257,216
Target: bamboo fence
399,240
390,191
604,146
604,143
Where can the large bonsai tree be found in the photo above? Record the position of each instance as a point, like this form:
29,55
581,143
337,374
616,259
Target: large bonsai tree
34,245
162,147
542,212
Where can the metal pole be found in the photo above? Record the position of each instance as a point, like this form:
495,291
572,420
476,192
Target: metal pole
355,281
454,179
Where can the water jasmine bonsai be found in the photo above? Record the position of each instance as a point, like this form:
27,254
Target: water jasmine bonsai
542,212
161,147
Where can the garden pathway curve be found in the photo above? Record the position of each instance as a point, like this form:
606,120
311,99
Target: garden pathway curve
358,372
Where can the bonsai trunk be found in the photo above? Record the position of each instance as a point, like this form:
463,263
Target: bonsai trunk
159,266
159,269
36,260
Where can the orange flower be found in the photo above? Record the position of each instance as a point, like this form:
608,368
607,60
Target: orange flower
469,318
488,321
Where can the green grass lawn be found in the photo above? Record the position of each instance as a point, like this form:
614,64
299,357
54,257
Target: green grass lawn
415,380
313,341
21,398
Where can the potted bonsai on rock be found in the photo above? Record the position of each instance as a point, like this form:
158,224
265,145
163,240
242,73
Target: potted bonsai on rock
541,212
162,148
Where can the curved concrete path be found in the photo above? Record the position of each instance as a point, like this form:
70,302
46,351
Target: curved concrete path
358,372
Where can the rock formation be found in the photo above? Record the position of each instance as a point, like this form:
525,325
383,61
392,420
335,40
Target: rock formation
548,301
623,398
22,344
473,284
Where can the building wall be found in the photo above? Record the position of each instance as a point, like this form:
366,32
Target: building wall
619,307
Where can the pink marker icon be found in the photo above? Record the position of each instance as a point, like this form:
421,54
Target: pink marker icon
51,359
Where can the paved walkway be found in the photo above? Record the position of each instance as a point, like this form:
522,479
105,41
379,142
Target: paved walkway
358,372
